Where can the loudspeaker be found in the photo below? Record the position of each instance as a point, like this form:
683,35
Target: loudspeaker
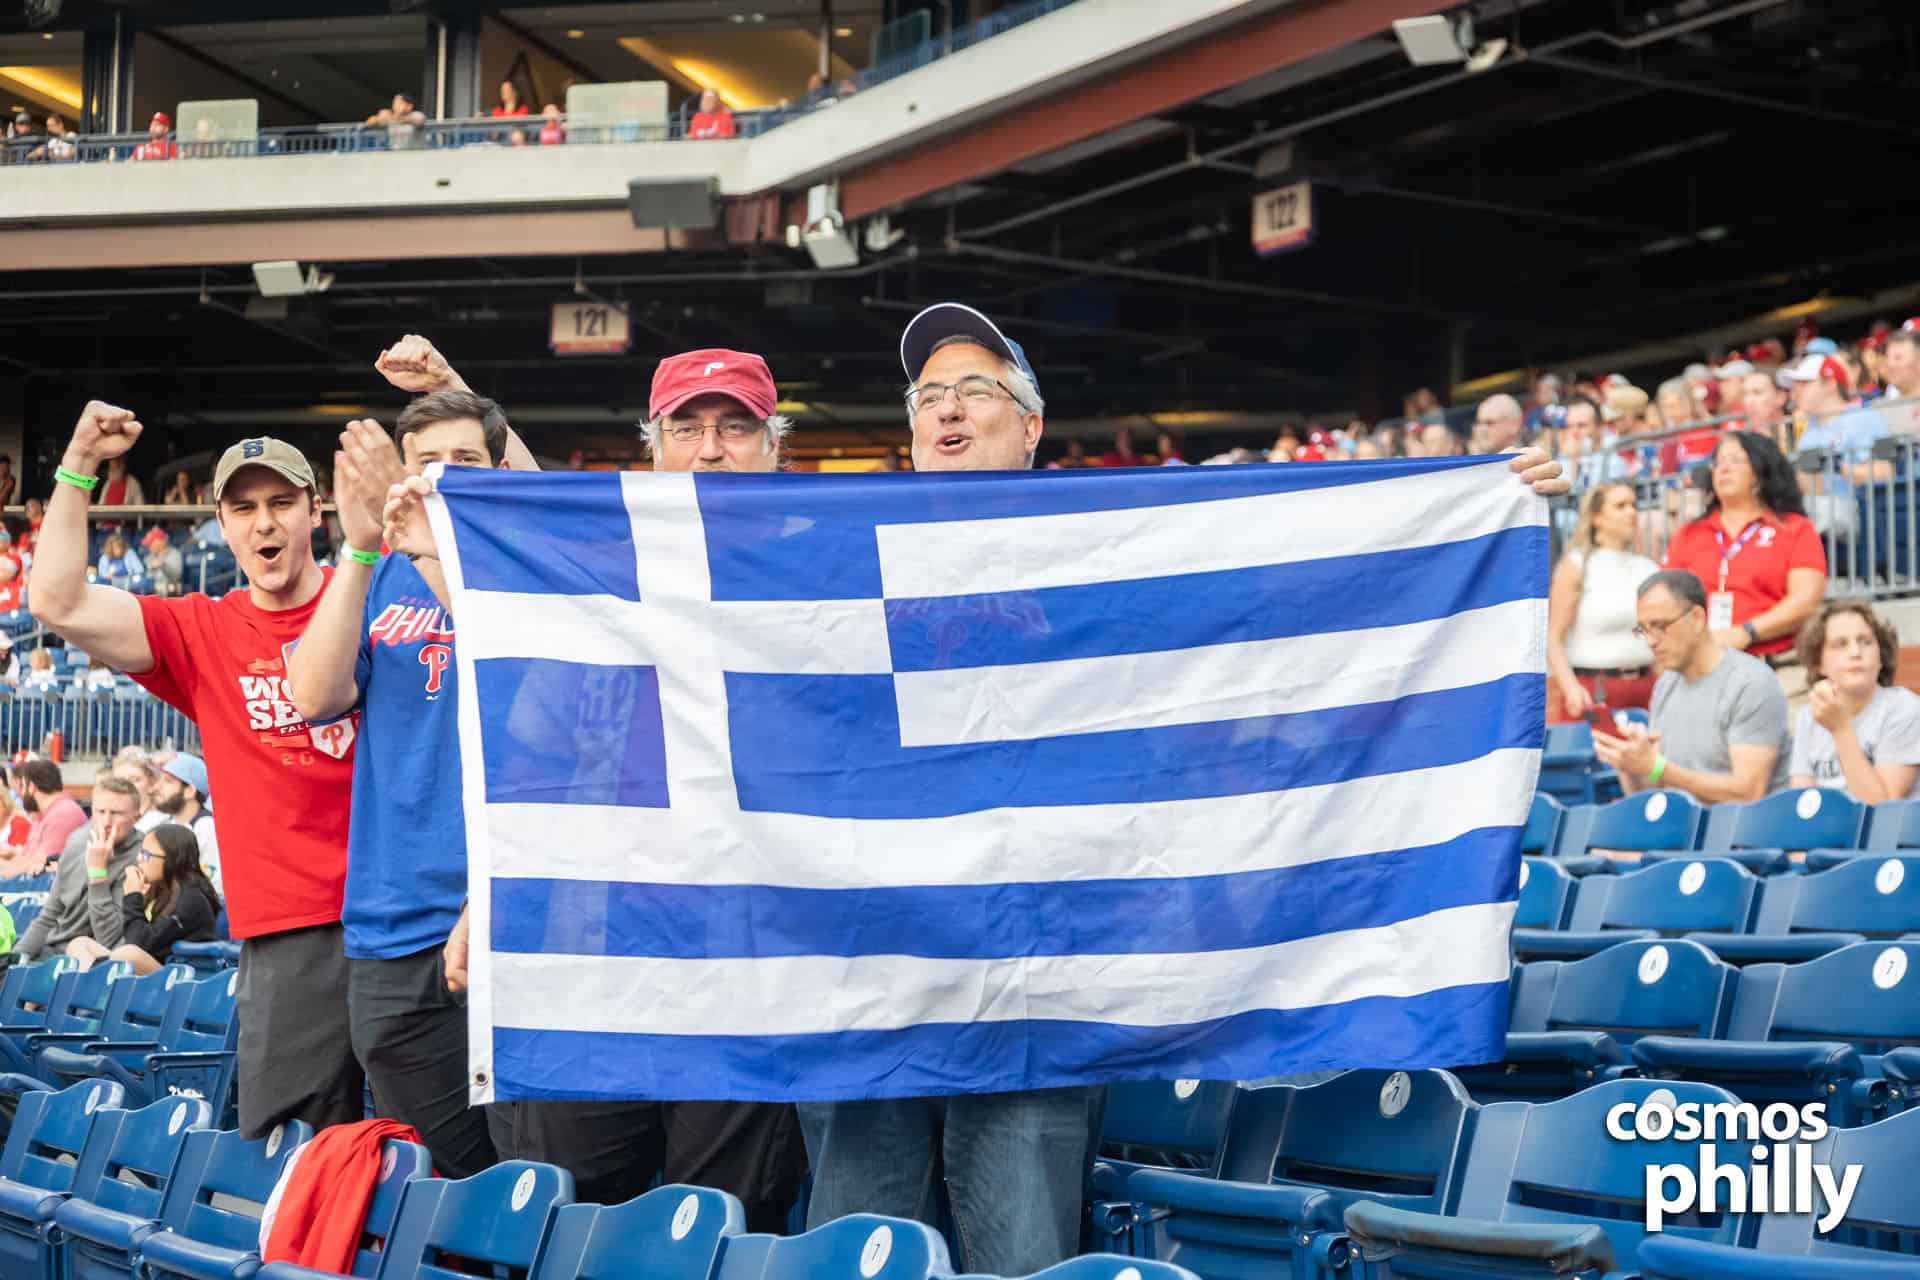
675,203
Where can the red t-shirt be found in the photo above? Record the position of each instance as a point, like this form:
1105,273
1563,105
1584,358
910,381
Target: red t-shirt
19,827
552,135
279,788
10,594
163,150
711,124
517,111
1757,576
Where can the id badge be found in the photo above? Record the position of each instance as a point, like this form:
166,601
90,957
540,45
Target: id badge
1720,611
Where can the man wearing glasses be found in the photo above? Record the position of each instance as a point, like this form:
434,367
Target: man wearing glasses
1718,720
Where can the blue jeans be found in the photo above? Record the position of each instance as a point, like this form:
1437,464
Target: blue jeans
1015,1167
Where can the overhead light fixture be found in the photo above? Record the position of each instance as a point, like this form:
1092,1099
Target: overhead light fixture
1437,40
574,33
841,33
287,280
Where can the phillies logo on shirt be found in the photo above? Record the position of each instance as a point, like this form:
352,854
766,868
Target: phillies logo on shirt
426,625
1766,535
269,707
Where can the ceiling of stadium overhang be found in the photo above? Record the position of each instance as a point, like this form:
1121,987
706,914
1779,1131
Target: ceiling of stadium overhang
1665,181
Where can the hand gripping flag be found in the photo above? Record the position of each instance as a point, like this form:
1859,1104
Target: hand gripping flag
791,787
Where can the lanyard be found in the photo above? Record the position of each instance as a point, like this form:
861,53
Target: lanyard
1727,553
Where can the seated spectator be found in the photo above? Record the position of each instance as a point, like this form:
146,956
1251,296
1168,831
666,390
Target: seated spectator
21,139
1819,385
179,490
164,898
164,565
552,132
1858,730
9,662
845,89
1900,362
1438,440
1498,425
1367,450
118,565
510,105
1075,456
1167,445
85,898
8,481
1546,399
55,816
1285,445
713,120
13,587
36,512
99,678
61,144
1718,720
1763,405
1755,548
40,672
159,144
402,120
16,827
139,767
1122,454
120,488
1592,649
180,793
816,94
1625,409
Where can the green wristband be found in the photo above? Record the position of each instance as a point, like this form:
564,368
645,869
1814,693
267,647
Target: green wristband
1659,767
358,556
75,479
96,875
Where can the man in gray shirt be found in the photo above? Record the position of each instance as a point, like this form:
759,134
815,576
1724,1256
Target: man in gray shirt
1718,718
85,900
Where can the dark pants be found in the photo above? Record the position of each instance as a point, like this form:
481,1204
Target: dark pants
296,1050
410,1033
615,1150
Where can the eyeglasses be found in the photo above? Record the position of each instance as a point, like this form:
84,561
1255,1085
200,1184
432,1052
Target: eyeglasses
977,389
690,433
1652,631
146,855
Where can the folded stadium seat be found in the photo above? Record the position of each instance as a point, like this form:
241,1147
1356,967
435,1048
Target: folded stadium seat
134,1011
1900,1068
1761,835
25,995
670,1233
1643,823
208,958
1667,899
1164,1124
1808,1032
1546,1193
75,1004
860,1246
37,1168
1106,1266
1892,826
1542,832
491,1224
1573,1022
1569,771
1546,895
1293,1159
192,1054
210,1216
1804,917
118,1185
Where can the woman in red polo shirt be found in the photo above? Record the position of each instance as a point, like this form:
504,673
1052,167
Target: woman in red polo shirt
1764,566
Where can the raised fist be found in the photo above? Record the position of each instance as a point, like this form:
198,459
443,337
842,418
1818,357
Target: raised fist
415,365
104,431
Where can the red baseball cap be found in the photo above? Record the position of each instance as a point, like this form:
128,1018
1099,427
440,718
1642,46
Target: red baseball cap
1810,368
713,371
163,118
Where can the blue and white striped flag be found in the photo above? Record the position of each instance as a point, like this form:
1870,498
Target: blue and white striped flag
826,787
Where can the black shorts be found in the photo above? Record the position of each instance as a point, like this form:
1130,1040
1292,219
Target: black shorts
296,1044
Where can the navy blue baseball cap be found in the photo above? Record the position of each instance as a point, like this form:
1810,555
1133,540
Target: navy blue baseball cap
955,319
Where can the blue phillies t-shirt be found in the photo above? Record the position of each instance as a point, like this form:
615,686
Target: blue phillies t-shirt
407,839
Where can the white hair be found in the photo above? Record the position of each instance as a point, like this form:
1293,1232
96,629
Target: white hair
776,426
1025,393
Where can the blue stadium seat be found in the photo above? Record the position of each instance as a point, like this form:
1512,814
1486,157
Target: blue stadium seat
1570,772
1108,1266
117,1188
75,1005
1804,917
1545,1193
860,1246
208,958
676,1230
1762,834
134,1012
1893,824
1542,832
1666,899
1573,1021
495,1219
1663,1259
37,1168
193,1052
1808,1032
210,1217
1546,895
1649,821
1165,1124
1293,1159
1900,1068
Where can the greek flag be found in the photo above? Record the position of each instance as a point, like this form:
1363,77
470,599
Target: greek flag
812,787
